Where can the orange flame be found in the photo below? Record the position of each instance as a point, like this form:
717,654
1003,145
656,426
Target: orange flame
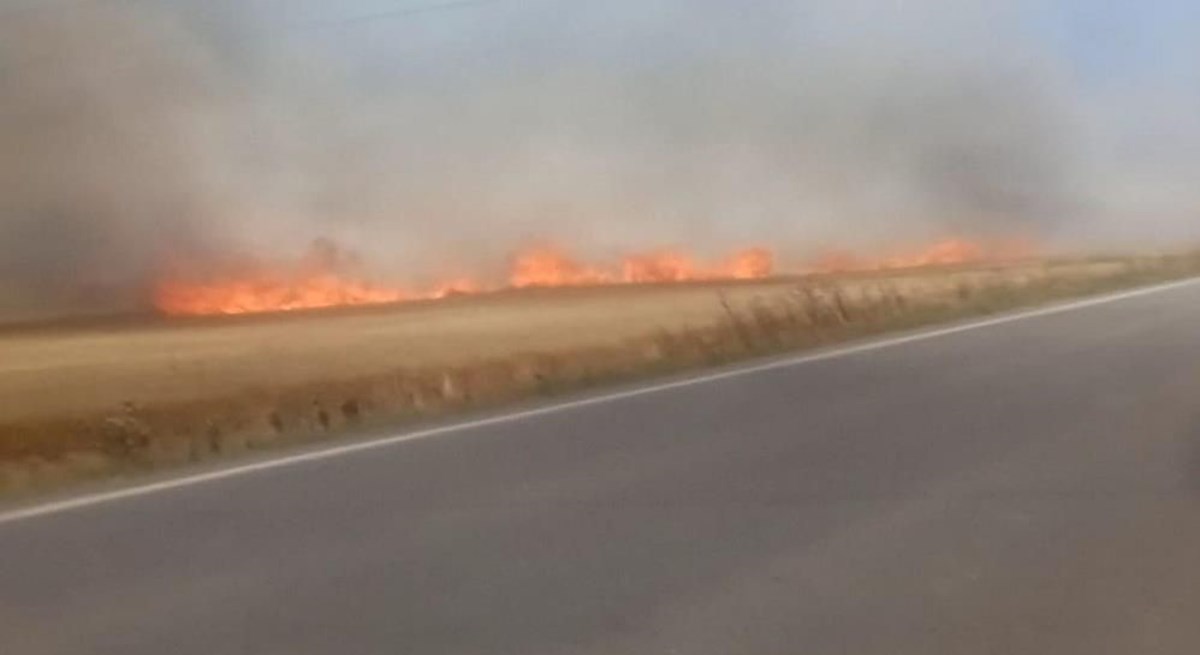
327,277
267,294
749,264
946,252
661,266
548,266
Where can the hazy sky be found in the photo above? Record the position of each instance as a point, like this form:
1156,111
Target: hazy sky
1124,76
1124,42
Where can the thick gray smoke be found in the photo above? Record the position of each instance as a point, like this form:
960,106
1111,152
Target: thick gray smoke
103,162
139,135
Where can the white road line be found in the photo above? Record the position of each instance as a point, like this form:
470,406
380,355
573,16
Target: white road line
384,442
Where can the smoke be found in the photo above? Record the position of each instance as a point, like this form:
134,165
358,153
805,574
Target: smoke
143,135
102,160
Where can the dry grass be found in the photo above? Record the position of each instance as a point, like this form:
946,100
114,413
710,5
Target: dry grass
92,400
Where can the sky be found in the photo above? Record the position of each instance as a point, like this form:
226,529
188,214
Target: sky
1124,42
1103,40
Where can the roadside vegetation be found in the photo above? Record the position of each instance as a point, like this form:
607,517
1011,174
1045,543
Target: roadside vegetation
93,401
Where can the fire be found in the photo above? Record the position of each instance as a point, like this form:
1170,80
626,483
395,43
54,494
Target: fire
949,251
662,266
328,277
317,280
269,294
548,266
749,264
940,253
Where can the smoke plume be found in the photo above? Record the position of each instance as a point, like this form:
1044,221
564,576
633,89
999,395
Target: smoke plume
144,135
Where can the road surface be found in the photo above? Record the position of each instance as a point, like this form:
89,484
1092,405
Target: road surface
1030,486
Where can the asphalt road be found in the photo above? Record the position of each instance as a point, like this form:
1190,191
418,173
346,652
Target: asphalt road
1026,487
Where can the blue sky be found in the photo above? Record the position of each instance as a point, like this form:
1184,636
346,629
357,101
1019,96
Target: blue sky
1102,42
1111,40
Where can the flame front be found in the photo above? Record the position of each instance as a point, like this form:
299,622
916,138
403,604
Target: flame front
269,294
946,252
550,266
326,277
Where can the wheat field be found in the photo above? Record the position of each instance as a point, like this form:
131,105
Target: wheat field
87,399
47,373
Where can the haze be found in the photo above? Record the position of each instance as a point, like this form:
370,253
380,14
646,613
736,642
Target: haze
433,139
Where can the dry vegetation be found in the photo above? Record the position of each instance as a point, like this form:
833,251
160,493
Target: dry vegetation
86,401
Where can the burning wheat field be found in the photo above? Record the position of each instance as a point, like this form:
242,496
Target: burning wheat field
322,319
326,277
94,398
221,230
